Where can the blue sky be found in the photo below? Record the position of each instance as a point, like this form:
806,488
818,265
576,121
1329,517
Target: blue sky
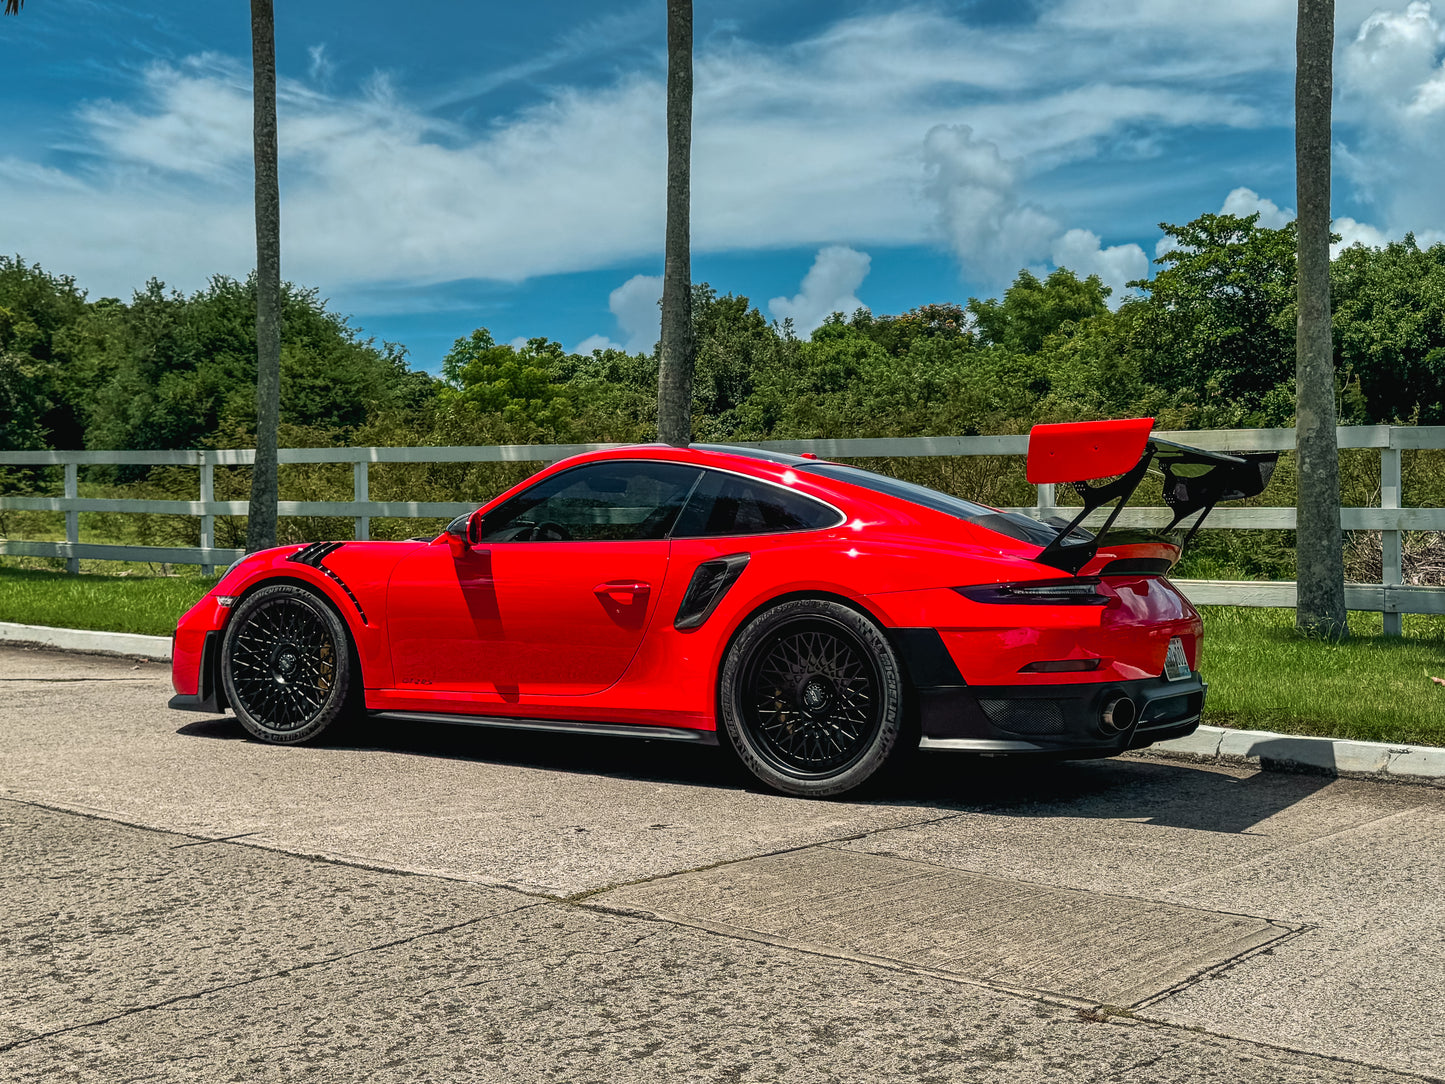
452,165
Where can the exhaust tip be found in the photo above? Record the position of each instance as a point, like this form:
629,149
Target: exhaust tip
1119,713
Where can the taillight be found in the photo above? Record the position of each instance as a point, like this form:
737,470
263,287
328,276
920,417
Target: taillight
1074,591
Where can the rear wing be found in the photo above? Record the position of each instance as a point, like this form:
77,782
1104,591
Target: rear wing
1195,480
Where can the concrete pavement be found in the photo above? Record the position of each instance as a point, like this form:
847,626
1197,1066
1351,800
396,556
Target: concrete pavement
453,904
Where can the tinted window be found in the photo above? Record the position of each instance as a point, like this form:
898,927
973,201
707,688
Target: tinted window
929,498
615,501
727,504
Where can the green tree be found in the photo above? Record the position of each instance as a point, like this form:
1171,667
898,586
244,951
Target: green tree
735,343
1217,322
1031,310
674,384
518,386
1320,553
261,519
171,371
946,322
1389,326
36,309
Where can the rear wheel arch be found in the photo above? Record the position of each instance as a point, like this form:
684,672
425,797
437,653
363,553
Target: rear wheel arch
764,632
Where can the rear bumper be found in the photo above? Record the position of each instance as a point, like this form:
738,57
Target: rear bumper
1063,720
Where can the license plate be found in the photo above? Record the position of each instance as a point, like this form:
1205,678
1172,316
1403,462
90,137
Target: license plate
1176,665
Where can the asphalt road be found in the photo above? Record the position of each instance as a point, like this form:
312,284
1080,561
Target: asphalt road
438,903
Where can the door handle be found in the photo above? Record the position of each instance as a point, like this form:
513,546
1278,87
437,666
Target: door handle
624,593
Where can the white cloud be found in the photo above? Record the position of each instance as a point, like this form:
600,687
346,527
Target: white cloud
1244,202
596,342
886,128
974,188
830,286
321,67
1355,233
1392,92
635,304
1083,253
825,137
518,343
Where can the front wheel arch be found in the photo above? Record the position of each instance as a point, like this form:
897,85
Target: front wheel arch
316,589
316,680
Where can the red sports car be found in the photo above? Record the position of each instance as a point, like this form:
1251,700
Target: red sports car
823,617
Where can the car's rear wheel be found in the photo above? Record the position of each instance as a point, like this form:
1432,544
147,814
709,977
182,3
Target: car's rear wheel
812,697
286,664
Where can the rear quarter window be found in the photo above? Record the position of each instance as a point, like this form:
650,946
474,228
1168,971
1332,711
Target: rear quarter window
728,504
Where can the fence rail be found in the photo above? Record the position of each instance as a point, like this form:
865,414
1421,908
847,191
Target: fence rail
1391,597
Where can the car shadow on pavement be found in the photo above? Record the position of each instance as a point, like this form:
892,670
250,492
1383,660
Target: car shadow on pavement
1169,793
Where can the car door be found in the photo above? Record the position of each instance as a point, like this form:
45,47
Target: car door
556,593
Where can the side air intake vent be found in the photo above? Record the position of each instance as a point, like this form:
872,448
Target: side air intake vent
709,584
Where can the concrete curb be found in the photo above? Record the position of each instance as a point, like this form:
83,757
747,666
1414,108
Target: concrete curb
1291,752
86,640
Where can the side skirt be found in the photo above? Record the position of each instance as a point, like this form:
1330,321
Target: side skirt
606,730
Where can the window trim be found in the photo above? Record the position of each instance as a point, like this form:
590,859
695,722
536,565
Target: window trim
583,466
842,515
701,469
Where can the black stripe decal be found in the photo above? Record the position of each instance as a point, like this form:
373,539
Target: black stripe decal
313,555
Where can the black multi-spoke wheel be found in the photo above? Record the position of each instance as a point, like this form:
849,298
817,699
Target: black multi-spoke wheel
812,697
285,664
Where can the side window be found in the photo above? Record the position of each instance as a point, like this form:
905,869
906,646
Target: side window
615,501
725,504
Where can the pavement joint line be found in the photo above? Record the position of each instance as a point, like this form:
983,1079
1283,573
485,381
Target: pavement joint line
1275,852
1283,924
55,681
1288,932
582,902
1096,1011
588,893
222,839
284,972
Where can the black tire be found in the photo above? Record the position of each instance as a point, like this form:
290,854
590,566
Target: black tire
286,664
812,699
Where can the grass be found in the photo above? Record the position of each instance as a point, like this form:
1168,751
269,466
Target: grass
1263,675
143,604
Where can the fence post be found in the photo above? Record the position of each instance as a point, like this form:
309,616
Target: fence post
208,522
361,486
72,519
1391,563
1046,499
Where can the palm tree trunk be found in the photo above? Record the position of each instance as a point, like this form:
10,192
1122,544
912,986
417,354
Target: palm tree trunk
261,521
1320,608
674,378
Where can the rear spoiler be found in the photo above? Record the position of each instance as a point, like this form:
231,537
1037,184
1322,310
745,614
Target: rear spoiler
1195,480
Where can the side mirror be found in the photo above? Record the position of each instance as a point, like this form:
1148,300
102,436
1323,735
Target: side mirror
461,533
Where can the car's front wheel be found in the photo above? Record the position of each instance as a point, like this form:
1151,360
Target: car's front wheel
812,697
286,664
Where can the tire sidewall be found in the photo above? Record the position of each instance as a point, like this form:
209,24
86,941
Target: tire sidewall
337,698
755,636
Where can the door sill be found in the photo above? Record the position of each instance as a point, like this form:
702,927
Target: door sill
607,730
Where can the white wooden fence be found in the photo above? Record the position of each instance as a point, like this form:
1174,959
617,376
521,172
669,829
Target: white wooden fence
1391,597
